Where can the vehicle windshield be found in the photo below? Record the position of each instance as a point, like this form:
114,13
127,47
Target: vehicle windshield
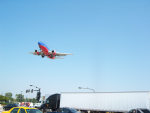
33,111
73,110
145,110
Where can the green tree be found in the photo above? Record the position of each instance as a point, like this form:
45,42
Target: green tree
20,98
34,100
9,96
3,99
31,100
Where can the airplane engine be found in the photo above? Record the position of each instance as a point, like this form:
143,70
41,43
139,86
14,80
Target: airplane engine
36,52
52,55
53,52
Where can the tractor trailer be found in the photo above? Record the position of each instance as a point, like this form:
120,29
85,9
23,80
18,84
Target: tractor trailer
99,101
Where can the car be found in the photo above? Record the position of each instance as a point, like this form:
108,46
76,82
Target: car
67,110
22,110
9,106
139,110
37,105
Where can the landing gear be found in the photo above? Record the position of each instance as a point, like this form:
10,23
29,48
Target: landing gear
53,51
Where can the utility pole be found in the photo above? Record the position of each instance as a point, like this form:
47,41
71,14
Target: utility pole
38,96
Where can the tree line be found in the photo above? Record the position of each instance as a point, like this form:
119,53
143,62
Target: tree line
7,98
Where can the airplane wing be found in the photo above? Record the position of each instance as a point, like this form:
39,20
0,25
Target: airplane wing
60,54
63,54
36,53
59,58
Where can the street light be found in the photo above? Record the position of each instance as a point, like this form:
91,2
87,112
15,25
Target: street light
38,96
86,88
35,86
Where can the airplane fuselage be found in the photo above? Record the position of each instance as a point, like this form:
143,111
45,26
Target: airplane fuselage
45,50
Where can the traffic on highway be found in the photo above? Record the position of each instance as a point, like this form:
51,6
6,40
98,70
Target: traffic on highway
94,102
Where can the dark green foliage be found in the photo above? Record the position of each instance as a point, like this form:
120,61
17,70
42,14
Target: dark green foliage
20,98
3,99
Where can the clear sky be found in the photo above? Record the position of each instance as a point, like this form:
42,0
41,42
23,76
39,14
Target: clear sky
109,40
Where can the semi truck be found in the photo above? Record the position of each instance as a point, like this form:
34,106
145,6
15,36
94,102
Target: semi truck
118,102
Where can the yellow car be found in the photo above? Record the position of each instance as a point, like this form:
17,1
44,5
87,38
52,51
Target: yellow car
22,110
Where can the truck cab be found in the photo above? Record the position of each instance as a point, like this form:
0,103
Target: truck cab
52,103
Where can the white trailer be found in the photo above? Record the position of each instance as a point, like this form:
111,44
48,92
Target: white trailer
106,101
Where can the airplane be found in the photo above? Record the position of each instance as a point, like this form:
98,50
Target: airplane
44,51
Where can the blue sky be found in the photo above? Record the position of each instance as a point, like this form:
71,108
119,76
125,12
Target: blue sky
109,41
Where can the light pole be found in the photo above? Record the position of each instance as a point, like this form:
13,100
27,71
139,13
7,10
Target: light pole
38,96
35,86
87,88
21,96
39,89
